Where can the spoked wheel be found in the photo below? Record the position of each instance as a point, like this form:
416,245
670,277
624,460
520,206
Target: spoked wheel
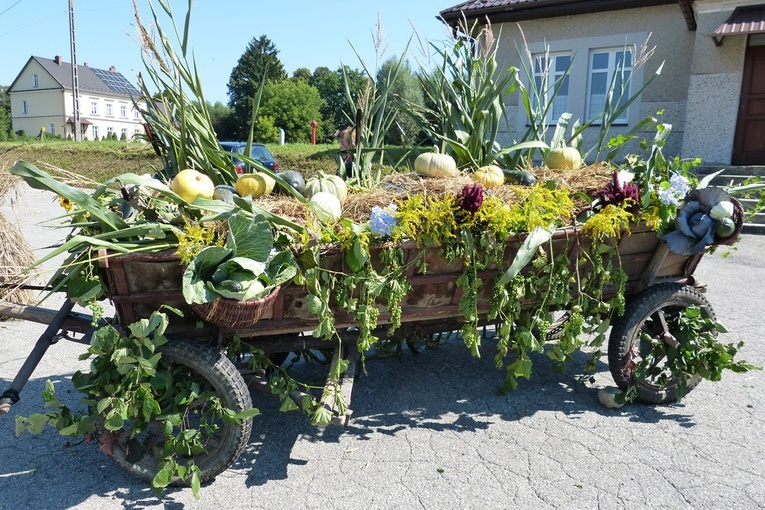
652,318
557,325
223,442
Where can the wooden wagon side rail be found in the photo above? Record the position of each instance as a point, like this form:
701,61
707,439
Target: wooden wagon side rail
140,283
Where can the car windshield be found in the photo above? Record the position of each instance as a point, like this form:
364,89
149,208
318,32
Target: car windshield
260,152
232,147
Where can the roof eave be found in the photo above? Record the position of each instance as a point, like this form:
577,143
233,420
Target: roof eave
548,9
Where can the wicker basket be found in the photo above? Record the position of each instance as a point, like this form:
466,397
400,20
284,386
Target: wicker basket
230,313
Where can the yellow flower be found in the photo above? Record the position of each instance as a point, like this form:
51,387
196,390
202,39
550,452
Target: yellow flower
65,203
610,221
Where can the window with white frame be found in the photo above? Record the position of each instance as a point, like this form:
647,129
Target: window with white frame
95,132
109,110
548,69
94,107
35,81
52,128
24,107
609,69
109,131
136,113
123,133
123,111
136,133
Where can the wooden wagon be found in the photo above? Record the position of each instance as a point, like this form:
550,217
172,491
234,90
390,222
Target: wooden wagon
659,283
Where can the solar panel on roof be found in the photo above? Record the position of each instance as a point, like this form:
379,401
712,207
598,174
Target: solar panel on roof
116,82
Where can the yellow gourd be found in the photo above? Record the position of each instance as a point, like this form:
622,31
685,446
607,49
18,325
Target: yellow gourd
190,184
489,176
255,184
563,158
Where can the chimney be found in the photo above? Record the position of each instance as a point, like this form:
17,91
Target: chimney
57,59
112,69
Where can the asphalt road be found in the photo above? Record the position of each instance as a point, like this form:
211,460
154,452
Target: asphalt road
430,431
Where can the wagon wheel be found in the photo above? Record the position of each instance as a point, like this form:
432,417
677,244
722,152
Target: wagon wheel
652,316
141,454
557,325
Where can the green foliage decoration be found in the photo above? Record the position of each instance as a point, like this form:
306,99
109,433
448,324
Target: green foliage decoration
464,99
697,352
131,386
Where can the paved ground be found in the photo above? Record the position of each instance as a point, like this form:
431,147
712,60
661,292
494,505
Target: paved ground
430,431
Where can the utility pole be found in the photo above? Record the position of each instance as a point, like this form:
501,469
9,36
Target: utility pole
75,78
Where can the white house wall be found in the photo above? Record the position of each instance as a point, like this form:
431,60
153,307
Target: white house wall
582,33
103,121
49,106
44,106
714,89
43,109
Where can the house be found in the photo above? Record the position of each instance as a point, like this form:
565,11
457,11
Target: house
42,99
712,83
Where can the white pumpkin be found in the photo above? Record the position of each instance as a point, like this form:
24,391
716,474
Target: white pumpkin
326,207
433,164
722,209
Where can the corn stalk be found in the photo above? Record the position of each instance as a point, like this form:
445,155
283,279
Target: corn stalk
537,101
178,123
373,116
467,93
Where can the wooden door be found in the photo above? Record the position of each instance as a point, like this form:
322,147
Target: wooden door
749,142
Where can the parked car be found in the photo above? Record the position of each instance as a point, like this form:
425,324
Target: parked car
258,152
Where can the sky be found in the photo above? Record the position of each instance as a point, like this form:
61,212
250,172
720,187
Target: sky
307,34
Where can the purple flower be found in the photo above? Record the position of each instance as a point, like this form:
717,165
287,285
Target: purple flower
617,191
471,197
383,220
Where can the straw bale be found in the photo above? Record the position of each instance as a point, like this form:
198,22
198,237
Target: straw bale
15,256
359,204
15,252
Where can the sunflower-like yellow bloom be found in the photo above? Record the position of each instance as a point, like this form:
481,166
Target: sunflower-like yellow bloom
65,203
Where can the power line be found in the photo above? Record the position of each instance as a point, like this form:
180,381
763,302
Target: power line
11,7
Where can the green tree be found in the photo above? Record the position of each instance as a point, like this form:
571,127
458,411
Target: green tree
335,110
328,84
222,120
302,73
404,93
258,62
5,114
292,104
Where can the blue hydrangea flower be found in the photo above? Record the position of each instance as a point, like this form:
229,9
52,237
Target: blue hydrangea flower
678,188
383,220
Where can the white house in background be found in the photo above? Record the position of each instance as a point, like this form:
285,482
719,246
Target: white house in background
41,97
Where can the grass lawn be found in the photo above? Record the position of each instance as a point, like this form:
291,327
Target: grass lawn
99,161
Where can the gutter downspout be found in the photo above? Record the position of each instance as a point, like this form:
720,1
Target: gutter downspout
686,6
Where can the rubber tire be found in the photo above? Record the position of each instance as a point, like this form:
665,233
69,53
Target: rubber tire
215,368
624,333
